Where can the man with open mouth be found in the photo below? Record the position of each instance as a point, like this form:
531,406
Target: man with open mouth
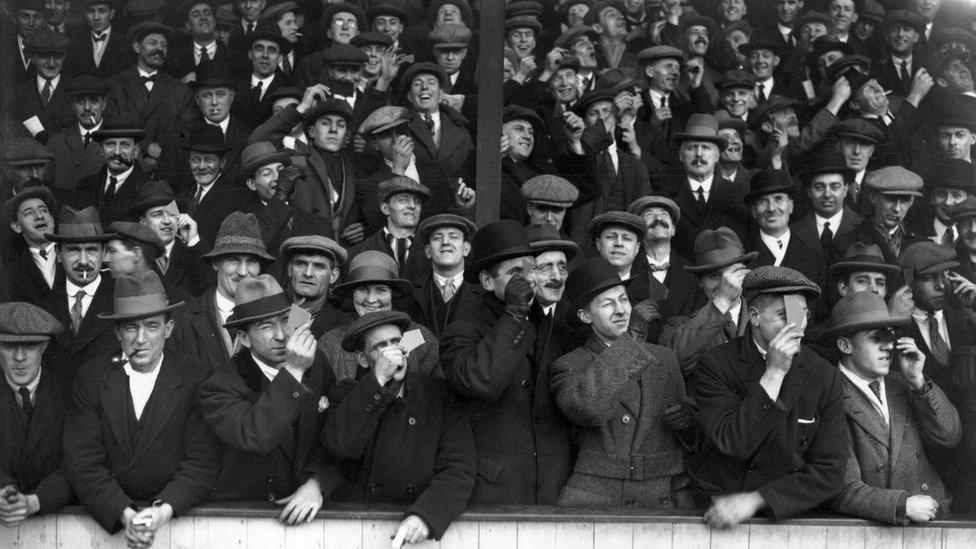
32,274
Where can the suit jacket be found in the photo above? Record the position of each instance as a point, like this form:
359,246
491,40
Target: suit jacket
681,110
250,108
67,352
867,233
417,265
163,113
198,331
23,281
55,115
30,450
617,395
691,336
91,192
440,167
186,270
224,197
724,208
181,60
798,256
416,450
117,56
114,460
887,462
436,315
792,450
269,428
73,161
806,229
889,75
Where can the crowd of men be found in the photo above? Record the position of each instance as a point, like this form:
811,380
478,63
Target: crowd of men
733,269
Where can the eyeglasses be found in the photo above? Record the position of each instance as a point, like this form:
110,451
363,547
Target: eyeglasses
548,269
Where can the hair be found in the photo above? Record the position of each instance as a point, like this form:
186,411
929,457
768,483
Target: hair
762,301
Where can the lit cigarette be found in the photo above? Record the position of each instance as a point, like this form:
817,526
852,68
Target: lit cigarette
888,92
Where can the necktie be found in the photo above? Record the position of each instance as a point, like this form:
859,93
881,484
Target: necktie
401,251
664,102
876,388
947,237
76,317
429,120
827,236
780,244
905,76
854,192
939,347
730,328
286,65
46,91
204,56
43,254
113,185
256,91
147,82
447,290
700,191
196,200
99,37
86,138
25,401
760,93
656,268
250,27
163,262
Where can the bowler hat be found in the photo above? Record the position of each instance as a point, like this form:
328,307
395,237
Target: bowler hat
266,30
373,267
927,257
894,180
544,237
255,299
855,67
120,127
353,334
523,7
768,181
400,184
953,173
963,210
344,7
760,43
701,127
859,312
77,226
638,206
31,191
430,224
771,279
550,190
152,194
628,221
22,322
831,161
383,119
316,244
716,249
139,296
862,257
261,153
86,84
908,18
957,119
338,107
138,232
695,20
213,74
239,233
589,279
496,242
206,138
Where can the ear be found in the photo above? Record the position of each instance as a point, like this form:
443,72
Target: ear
245,338
15,227
118,333
776,60
334,276
361,359
842,288
584,316
942,82
754,316
168,328
427,253
186,26
385,208
250,185
597,28
486,281
844,345
465,249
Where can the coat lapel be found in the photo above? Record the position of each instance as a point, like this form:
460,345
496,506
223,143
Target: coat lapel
114,396
897,414
863,412
91,325
44,411
168,387
422,133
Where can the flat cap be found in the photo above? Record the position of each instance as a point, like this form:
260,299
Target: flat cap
314,243
24,151
401,184
144,8
759,44
927,257
371,38
770,279
907,18
638,206
353,335
47,41
551,190
338,107
518,112
383,119
654,53
843,66
859,129
344,54
568,38
963,210
627,220
430,224
523,22
424,67
523,7
736,78
871,11
813,16
388,9
274,12
775,104
32,189
894,180
593,15
450,36
24,323
696,20
138,232
344,7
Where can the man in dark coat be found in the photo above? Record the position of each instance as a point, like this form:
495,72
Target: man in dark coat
114,188
312,264
200,44
497,358
253,93
32,410
406,414
101,48
77,154
213,94
137,450
772,411
963,216
31,275
213,193
41,101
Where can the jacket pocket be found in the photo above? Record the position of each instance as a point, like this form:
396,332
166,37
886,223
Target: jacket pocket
489,469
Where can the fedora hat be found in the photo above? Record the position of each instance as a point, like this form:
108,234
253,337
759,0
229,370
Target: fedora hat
139,296
239,233
859,312
256,299
352,336
544,237
715,249
768,181
205,138
373,267
28,192
863,257
493,243
261,154
120,127
152,194
267,30
588,280
76,226
701,127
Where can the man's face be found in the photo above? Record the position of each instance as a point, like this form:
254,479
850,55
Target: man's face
281,104
697,40
374,54
264,181
576,13
143,340
811,31
21,360
863,281
447,248
329,132
956,142
496,279
403,210
827,192
370,298
49,65
660,226
768,316
738,101
386,141
448,59
856,153
663,74
826,60
288,26
32,220
788,10
346,73
711,280
250,10
608,313
344,28
698,157
29,22
215,103
377,339
732,10
88,109
449,14
231,269
152,50
26,171
163,221
425,93
99,17
735,39
204,166
550,277
732,153
842,14
762,63
618,246
521,136
119,153
311,274
956,77
773,211
612,23
931,291
389,25
200,21
928,8
943,198
266,339
264,56
634,7
122,260
522,40
545,213
890,209
600,110
863,29
81,261
870,352
565,85
967,232
901,38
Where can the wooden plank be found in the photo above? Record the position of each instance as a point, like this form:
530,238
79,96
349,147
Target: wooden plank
181,533
958,537
573,535
492,535
489,166
264,533
654,535
460,535
613,535
222,532
689,536
768,536
308,535
845,537
730,538
378,533
884,536
9,536
536,535
101,538
807,537
343,534
74,532
923,538
39,533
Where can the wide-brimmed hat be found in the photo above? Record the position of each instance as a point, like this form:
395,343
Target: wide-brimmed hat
768,181
261,154
701,127
137,232
269,31
31,191
588,280
771,279
239,233
716,249
353,334
927,257
256,299
316,244
863,257
373,267
953,173
629,221
152,194
25,323
401,184
638,206
77,226
859,312
496,242
544,237
434,222
139,296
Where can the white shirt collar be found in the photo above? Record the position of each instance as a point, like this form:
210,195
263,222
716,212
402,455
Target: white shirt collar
783,29
224,305
119,177
152,374
265,82
90,289
706,185
773,243
864,386
457,279
269,372
107,33
31,387
222,124
169,248
146,74
82,130
834,221
54,82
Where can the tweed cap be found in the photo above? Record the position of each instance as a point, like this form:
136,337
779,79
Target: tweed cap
25,323
770,279
871,11
544,237
24,151
638,206
338,107
274,12
450,37
152,194
717,249
593,16
139,296
655,53
589,279
401,184
701,127
894,180
927,257
47,41
344,7
859,312
27,192
144,8
373,267
78,226
86,84
313,243
862,257
424,67
371,38
953,173
963,210
388,9
628,221
736,78
344,55
353,335
259,154
383,119
127,230
567,39
239,233
859,129
550,190
769,181
496,242
906,18
257,298
434,222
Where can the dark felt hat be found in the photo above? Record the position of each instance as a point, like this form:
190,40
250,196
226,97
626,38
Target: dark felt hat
717,249
859,129
544,237
141,30
927,257
773,105
953,173
138,232
269,31
701,127
206,138
401,184
239,233
862,257
183,9
26,323
86,84
568,38
139,296
344,7
761,43
274,11
344,54
24,151
963,210
424,67
213,74
430,224
629,221
736,78
257,298
120,127
770,279
338,107
493,243
859,312
371,38
907,18
517,112
261,154
373,267
589,279
76,226
592,96
389,9
812,16
152,194
27,192
769,181
830,161
354,333
47,41
593,16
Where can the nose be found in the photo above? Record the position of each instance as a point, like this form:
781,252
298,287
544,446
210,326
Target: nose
20,353
888,345
308,271
141,335
940,283
242,268
279,331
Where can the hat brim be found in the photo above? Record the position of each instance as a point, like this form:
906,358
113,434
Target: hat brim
236,249
855,135
471,271
24,338
744,258
399,286
897,193
136,210
568,247
350,341
938,268
751,198
104,237
141,314
842,267
853,327
107,134
582,300
248,169
237,322
717,139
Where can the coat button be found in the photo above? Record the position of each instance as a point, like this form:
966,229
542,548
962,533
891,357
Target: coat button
765,406
294,395
664,500
525,383
881,468
803,440
412,421
625,420
750,467
925,487
377,396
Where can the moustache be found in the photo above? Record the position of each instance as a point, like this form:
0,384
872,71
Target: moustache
659,223
158,53
121,159
701,41
554,285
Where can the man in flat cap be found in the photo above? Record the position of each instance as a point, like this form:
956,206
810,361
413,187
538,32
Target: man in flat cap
951,183
267,404
77,154
24,158
436,483
102,47
114,188
446,239
661,68
41,102
547,198
31,270
34,404
772,410
901,405
137,450
312,267
389,19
